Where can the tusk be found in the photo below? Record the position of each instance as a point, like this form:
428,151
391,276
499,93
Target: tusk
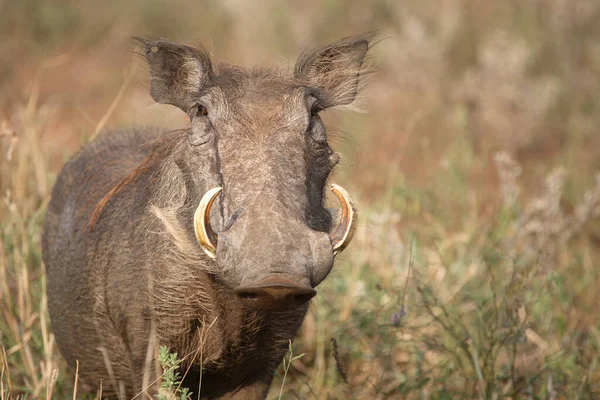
204,233
342,234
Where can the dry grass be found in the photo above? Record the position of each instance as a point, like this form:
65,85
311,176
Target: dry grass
474,271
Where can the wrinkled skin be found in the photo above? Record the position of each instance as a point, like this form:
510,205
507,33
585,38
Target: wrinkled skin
125,272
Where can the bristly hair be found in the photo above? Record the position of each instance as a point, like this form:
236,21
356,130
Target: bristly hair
142,43
162,147
177,72
334,67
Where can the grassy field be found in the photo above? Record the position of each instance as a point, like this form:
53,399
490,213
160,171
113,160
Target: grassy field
475,270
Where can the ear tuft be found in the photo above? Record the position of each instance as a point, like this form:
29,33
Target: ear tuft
336,69
177,73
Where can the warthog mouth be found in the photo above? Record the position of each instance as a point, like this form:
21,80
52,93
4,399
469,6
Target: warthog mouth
275,293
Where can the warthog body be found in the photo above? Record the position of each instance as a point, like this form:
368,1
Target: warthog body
125,242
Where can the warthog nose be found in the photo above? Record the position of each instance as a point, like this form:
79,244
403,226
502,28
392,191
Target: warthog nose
275,294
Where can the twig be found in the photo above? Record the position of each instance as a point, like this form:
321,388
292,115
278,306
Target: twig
338,363
114,104
76,379
410,267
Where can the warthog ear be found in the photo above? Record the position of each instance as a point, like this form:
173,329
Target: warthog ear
335,69
177,73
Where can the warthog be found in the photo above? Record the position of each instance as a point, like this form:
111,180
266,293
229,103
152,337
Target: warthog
137,260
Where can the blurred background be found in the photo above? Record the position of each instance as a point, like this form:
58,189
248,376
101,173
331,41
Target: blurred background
475,163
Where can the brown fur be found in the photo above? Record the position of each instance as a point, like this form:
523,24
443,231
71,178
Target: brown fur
125,273
158,153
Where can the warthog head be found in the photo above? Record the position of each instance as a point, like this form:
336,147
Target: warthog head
264,223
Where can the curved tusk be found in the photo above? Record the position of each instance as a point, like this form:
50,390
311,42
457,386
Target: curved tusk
342,234
204,233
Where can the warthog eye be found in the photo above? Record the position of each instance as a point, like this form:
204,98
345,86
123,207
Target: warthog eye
314,111
201,111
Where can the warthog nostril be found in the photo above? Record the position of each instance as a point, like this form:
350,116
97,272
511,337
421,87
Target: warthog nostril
247,295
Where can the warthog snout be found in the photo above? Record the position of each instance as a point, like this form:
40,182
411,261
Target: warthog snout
276,293
273,268
269,255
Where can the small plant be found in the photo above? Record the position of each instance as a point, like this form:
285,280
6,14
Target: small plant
287,364
171,379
